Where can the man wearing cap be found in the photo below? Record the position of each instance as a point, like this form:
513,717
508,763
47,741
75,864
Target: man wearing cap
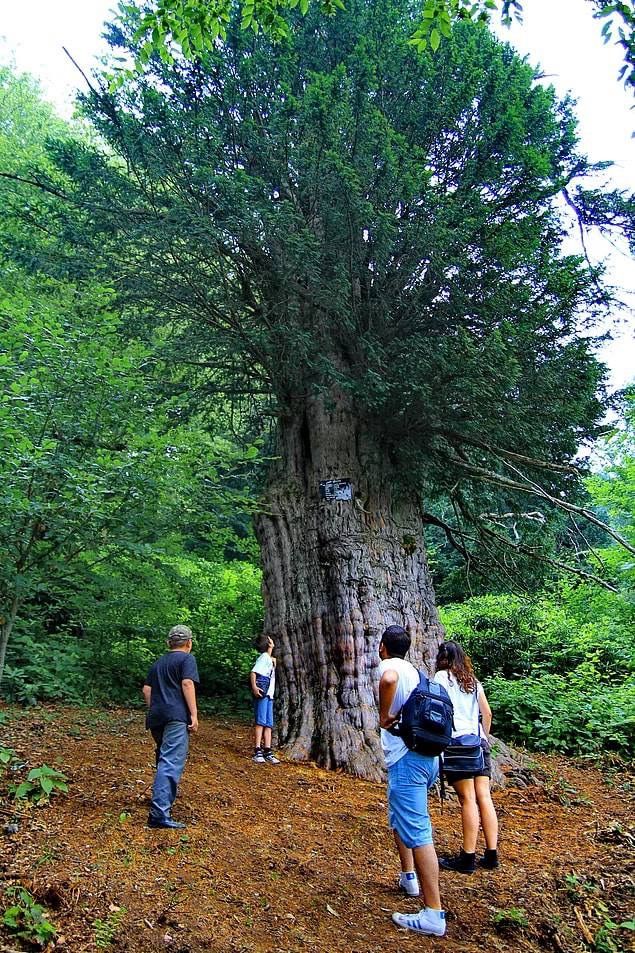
170,694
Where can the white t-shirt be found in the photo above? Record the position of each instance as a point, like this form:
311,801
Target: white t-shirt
264,666
393,746
466,709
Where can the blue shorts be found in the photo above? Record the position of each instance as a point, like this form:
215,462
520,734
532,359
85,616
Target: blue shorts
263,711
408,782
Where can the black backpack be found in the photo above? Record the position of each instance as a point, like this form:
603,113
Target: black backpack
427,718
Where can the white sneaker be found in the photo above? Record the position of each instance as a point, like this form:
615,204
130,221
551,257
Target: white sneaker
259,757
427,921
409,884
271,758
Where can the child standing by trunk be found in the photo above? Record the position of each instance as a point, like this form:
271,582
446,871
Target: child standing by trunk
263,684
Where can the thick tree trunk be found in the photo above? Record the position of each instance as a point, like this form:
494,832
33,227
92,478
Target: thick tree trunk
335,575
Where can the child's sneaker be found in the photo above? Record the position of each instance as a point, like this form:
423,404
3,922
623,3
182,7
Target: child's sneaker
270,758
259,757
409,884
427,921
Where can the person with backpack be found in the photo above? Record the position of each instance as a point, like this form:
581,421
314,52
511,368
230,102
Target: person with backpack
410,775
467,763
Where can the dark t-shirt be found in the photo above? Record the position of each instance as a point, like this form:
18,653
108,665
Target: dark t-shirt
167,701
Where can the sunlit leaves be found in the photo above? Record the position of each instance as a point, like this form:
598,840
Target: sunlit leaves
619,26
193,26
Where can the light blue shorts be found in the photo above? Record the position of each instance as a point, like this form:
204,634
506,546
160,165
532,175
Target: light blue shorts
263,711
409,780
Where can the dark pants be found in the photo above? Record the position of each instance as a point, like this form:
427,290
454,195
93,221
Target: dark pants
172,741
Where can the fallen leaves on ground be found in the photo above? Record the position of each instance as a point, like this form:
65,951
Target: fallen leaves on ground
288,858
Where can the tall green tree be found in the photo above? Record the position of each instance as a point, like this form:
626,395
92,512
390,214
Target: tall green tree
95,461
368,239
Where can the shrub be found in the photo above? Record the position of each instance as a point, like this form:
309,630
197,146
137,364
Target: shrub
559,670
101,652
41,785
513,637
26,919
577,714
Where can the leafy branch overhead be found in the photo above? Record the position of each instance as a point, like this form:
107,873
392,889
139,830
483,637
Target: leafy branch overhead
194,26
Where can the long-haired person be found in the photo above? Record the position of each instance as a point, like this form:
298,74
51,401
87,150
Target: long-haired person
472,716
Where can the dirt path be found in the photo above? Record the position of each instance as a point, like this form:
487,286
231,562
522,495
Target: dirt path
292,858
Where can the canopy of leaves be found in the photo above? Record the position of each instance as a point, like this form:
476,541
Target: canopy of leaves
193,26
340,211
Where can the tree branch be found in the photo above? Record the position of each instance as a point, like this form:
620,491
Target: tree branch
490,476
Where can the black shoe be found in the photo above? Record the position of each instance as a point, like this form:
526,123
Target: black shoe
165,822
489,860
462,864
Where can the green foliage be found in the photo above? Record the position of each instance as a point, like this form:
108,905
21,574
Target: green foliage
384,224
510,919
194,26
619,26
221,602
41,785
26,919
576,714
513,636
7,756
581,889
396,221
559,669
114,624
99,466
105,931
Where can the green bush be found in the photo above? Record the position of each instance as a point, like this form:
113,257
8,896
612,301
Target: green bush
115,625
26,919
576,714
559,670
512,637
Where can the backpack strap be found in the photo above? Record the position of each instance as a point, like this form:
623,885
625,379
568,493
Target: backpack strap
477,710
434,688
427,685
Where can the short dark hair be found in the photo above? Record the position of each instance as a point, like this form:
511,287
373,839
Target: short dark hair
262,642
396,641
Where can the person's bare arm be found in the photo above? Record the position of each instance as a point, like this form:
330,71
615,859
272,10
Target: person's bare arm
189,692
486,711
147,694
387,689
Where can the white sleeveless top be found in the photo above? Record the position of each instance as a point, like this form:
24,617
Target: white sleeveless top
466,708
392,746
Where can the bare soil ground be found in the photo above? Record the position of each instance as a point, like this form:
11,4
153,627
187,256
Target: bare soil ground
292,858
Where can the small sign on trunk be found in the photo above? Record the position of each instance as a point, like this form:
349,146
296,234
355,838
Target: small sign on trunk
336,490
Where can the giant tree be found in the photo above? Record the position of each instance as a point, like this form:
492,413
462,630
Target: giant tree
368,239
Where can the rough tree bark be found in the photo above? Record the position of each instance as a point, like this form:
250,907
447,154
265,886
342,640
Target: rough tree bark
335,575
